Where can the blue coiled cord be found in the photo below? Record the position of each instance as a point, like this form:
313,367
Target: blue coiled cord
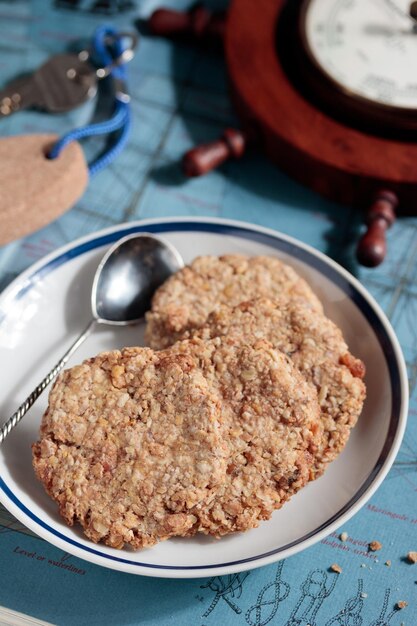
121,118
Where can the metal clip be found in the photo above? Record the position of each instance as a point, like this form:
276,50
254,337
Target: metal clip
126,56
121,92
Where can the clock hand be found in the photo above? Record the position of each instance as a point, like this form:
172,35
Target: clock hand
412,15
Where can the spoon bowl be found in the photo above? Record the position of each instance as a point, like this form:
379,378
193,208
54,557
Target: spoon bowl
128,276
123,286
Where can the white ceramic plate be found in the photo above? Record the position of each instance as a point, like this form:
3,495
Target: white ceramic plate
43,310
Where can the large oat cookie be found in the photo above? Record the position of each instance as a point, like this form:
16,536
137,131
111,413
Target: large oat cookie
130,443
316,346
140,446
186,299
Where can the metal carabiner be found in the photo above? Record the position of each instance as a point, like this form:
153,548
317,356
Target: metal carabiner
126,56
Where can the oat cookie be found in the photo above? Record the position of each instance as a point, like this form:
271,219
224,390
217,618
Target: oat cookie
186,299
211,436
317,348
272,423
130,444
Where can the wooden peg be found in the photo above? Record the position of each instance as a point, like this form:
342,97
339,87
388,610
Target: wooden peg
198,24
372,246
208,156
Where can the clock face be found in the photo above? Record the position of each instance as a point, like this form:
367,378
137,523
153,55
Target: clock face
368,47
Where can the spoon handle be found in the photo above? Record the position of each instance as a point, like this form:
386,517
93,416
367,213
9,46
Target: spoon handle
25,406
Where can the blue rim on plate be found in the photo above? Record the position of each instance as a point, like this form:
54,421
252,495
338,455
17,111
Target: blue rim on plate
328,268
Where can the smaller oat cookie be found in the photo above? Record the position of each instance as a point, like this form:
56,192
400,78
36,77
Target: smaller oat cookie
271,422
130,444
317,348
186,299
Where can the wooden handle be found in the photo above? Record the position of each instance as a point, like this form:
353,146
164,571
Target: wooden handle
168,23
198,23
208,156
372,246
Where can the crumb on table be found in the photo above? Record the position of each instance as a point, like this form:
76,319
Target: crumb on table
374,546
412,557
401,604
336,568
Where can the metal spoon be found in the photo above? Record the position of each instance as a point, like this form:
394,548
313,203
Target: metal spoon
123,286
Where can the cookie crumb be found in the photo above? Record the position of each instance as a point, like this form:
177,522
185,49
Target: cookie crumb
412,557
336,568
343,536
388,563
374,546
364,595
401,604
